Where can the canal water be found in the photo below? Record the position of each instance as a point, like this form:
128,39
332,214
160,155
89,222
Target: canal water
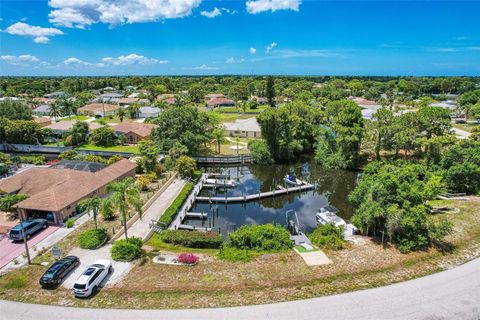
331,188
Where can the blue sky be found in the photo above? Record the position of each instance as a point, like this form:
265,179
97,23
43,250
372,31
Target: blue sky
141,37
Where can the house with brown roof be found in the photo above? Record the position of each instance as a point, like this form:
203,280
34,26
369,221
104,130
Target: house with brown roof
99,109
134,131
214,96
220,102
63,126
42,121
54,192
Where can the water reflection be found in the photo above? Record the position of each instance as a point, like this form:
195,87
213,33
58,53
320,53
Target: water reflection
332,187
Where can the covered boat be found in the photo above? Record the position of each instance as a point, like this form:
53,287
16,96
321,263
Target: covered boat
292,180
328,214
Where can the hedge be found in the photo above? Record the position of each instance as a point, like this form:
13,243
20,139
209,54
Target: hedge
92,239
171,211
126,250
192,239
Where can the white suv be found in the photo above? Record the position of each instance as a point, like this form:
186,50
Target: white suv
90,280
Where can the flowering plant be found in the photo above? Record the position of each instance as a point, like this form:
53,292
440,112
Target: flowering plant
187,258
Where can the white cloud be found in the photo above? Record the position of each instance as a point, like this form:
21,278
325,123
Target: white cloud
132,58
270,47
82,13
212,14
204,67
74,60
257,6
230,60
22,60
252,50
39,34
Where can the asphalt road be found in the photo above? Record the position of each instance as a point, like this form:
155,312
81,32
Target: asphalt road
452,294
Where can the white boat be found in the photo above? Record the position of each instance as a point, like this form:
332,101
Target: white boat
291,180
328,214
221,182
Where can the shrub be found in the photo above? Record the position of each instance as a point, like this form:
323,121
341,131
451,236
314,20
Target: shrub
126,250
260,152
70,222
192,239
171,211
185,166
16,282
104,137
328,237
263,238
68,155
233,254
36,160
92,239
187,258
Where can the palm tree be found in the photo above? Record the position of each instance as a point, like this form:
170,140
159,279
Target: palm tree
55,110
218,135
92,204
121,114
125,195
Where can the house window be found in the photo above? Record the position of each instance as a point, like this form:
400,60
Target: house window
131,139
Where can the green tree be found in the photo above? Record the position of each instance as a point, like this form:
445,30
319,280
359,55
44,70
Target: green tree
219,137
125,197
92,204
121,113
186,166
149,152
270,91
196,93
104,137
55,110
23,132
260,152
15,110
78,135
8,202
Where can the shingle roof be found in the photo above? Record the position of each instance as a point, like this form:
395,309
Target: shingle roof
54,189
67,125
249,124
217,101
141,129
94,107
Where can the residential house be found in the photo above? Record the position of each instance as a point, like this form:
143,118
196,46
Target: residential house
109,97
148,112
243,128
125,102
214,96
56,95
99,109
61,127
134,131
42,110
54,192
369,107
220,102
42,121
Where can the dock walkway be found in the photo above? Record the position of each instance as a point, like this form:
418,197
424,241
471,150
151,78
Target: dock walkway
256,196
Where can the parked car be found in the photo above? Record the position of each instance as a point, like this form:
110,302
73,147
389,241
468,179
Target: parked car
58,271
29,226
90,280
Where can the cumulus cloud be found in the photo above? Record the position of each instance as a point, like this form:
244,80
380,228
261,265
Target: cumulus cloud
212,14
270,47
204,67
82,13
230,60
132,58
257,6
74,61
252,50
23,60
39,34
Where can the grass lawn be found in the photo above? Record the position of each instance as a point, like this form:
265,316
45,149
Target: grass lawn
267,278
113,119
224,149
79,118
230,117
302,249
158,245
132,149
259,109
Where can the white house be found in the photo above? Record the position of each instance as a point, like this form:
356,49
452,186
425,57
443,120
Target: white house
148,112
243,128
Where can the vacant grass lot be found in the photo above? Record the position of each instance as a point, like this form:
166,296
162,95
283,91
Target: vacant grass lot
267,278
132,149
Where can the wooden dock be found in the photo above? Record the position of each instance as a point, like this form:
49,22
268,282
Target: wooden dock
257,196
189,227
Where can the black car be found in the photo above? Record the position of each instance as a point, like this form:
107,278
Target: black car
58,271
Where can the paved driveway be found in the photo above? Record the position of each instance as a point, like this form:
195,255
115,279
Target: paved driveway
10,250
452,294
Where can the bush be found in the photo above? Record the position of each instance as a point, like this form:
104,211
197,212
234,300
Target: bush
104,137
328,237
260,152
36,160
187,258
126,250
192,239
68,155
185,166
263,238
171,211
70,222
233,254
16,282
92,239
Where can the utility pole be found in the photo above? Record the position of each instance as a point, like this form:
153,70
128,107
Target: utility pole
23,235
